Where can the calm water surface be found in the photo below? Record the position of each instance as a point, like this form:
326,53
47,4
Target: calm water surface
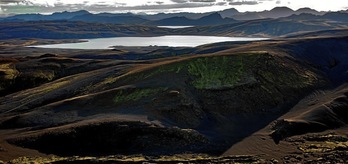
174,27
170,40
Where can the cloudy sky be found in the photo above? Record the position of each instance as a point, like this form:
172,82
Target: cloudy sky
155,6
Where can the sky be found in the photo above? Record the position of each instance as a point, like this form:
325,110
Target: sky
157,6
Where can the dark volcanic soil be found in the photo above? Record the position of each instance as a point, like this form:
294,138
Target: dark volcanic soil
272,101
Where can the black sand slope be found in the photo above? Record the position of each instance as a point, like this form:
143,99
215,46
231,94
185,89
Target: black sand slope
225,99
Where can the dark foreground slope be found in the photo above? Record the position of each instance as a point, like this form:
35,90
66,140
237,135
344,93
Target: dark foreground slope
234,99
209,95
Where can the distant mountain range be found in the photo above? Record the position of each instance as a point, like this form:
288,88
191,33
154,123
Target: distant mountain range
127,18
277,12
212,19
280,21
109,18
333,16
199,19
55,16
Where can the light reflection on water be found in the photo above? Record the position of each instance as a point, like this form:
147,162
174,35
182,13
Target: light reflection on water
169,40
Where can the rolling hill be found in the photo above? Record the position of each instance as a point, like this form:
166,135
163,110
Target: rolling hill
287,91
278,100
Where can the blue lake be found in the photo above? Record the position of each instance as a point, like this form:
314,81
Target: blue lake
169,40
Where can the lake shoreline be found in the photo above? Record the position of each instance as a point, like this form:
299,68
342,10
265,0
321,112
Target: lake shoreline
154,41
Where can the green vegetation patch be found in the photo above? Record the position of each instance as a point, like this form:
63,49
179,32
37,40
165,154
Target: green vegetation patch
216,72
323,147
222,72
42,74
8,74
8,71
324,143
206,72
284,75
128,95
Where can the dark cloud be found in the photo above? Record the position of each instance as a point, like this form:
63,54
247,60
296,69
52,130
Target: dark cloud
187,1
232,2
202,0
179,1
221,3
9,1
